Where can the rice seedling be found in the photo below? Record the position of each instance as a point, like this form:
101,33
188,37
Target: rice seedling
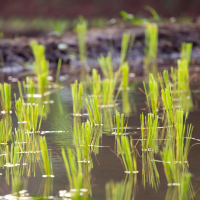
125,72
28,115
46,164
81,30
181,130
152,97
124,46
58,70
5,96
41,65
107,91
83,137
120,123
122,190
168,104
151,46
77,91
94,111
186,49
126,150
96,83
106,66
183,75
149,131
5,131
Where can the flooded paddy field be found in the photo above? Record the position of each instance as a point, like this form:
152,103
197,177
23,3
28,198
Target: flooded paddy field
103,121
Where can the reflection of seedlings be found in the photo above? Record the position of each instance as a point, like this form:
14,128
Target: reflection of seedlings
5,96
5,131
127,152
149,170
74,171
125,101
93,110
46,164
77,91
125,71
122,190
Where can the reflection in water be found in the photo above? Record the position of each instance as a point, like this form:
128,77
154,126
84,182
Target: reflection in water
149,170
125,102
123,190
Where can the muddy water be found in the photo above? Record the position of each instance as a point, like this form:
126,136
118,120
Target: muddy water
106,165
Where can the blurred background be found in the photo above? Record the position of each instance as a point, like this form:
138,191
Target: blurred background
20,17
94,8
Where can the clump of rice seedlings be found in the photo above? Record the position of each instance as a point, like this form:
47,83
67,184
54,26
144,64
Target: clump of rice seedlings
125,71
182,190
106,66
28,115
181,129
126,150
94,111
77,91
151,45
124,46
120,191
177,175
152,97
81,30
186,49
41,66
28,90
164,79
58,70
175,152
83,137
120,123
5,131
74,171
183,75
149,131
96,83
5,97
168,104
108,88
46,164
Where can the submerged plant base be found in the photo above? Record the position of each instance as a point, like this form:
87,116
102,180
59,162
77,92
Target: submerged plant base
46,176
131,172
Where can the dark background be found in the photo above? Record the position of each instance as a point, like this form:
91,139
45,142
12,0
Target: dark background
95,8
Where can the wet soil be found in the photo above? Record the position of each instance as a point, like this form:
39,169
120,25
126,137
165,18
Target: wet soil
16,53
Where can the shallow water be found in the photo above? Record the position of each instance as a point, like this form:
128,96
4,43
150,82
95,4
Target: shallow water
106,165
